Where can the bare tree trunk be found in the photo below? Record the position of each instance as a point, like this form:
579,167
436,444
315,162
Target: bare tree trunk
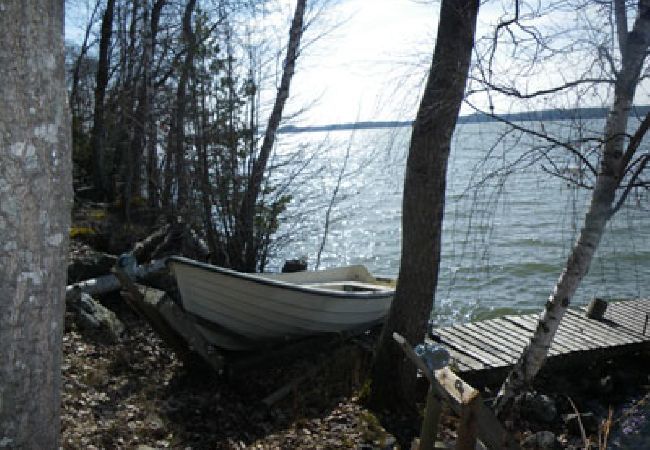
181,106
133,149
393,378
611,171
153,181
35,201
98,138
245,234
82,54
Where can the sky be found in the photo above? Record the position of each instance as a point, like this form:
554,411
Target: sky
373,56
360,69
369,47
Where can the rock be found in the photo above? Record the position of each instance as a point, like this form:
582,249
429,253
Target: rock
589,422
94,317
537,407
85,263
542,440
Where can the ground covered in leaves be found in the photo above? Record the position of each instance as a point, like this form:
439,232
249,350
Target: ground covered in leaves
136,394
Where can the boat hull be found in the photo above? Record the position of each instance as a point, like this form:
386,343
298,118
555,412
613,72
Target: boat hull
238,311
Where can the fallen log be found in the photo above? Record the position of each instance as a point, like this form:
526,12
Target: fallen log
144,249
109,283
169,321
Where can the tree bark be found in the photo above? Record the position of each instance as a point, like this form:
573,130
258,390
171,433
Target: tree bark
611,171
393,378
98,133
181,106
246,249
153,181
35,201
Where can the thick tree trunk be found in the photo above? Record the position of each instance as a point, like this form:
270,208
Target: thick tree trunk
423,203
35,201
246,248
98,133
611,171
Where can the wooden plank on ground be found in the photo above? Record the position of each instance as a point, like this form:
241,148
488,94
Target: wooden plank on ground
519,333
513,331
490,431
490,339
461,358
496,343
620,320
561,344
488,356
579,333
629,317
464,362
474,347
626,319
631,312
497,334
517,340
566,345
468,349
613,335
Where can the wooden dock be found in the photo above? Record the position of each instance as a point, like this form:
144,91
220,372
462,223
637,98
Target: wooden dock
485,349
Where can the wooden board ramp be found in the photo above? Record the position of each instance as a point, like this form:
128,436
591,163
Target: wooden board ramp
491,347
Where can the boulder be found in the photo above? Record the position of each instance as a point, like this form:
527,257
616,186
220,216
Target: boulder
85,263
95,318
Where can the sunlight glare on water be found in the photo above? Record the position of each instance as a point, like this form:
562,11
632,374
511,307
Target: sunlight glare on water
505,238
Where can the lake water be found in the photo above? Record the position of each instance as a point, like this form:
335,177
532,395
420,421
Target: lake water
508,224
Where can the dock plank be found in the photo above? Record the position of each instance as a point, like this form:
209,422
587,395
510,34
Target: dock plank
491,346
497,335
488,345
566,344
472,348
458,356
612,335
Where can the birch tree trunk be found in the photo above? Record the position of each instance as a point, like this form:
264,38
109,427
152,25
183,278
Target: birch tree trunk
393,378
35,201
611,171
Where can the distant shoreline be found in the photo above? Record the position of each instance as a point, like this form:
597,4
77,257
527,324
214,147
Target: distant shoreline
529,116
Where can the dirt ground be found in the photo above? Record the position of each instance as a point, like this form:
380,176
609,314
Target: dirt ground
135,394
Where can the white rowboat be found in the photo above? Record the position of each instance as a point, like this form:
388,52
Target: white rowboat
242,311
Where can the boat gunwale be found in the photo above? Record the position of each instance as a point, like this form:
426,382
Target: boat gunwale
254,278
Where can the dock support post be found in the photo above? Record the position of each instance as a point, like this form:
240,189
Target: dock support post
468,425
596,309
429,429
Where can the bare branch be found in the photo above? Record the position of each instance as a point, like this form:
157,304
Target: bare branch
497,30
540,135
514,92
634,143
631,184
